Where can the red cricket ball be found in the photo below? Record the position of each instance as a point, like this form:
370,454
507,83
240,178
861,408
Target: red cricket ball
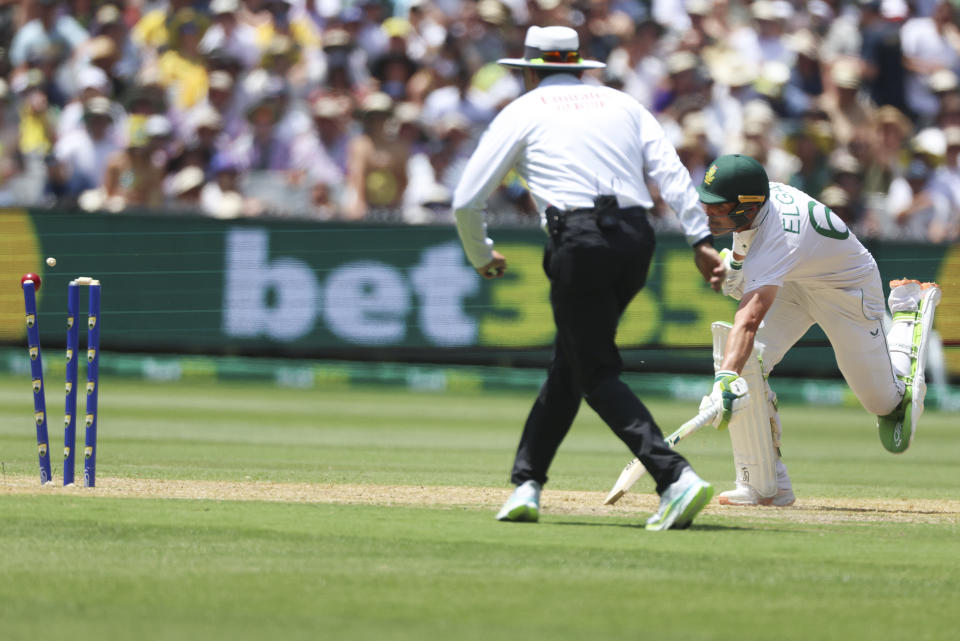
36,280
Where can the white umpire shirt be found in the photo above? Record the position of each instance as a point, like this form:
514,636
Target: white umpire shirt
571,142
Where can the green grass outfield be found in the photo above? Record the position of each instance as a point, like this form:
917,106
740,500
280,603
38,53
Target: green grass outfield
871,551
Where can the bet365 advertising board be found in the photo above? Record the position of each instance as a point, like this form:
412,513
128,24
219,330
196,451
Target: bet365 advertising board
176,283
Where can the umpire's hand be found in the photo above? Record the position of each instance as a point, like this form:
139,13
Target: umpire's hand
710,264
495,268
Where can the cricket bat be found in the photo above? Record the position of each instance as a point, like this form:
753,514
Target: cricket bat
634,469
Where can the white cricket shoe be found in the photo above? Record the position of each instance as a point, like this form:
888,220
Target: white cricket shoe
681,502
744,494
523,505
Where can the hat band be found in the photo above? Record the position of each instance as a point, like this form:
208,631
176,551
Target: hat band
555,56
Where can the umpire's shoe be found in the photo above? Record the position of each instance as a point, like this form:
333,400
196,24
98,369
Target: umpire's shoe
909,335
523,505
680,502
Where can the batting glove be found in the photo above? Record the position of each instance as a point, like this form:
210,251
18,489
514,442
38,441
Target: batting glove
729,396
732,285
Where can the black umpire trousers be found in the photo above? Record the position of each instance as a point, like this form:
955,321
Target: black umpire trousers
594,273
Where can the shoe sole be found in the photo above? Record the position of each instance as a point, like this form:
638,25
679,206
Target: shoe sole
699,502
688,506
521,514
762,502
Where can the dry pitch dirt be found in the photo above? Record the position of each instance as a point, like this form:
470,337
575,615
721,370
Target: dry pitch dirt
555,502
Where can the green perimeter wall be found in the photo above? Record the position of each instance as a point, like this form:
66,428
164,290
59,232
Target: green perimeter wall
335,290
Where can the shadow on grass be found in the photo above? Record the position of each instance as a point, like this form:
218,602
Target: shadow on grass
877,510
640,526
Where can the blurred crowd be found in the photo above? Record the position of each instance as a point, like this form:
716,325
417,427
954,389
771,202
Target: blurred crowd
368,109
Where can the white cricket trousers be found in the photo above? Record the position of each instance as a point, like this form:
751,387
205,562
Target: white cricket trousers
851,317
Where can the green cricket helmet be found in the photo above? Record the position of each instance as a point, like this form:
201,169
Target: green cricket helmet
735,178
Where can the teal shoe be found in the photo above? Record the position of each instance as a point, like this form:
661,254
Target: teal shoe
523,506
681,502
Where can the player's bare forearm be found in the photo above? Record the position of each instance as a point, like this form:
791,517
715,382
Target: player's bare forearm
738,349
746,322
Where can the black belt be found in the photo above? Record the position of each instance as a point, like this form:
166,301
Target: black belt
605,211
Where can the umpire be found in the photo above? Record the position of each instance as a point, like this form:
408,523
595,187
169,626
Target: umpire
584,152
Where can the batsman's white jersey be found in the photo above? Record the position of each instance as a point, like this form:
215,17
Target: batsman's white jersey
826,276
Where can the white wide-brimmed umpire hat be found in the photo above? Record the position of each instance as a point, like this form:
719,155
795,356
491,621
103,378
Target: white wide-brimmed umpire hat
551,48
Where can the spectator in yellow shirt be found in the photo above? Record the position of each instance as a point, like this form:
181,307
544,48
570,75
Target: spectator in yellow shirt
181,66
155,29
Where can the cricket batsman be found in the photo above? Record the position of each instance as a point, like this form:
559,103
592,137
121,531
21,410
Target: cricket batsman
794,263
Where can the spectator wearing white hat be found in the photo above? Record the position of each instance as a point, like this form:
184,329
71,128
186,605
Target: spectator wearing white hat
221,196
82,154
205,126
682,84
329,139
91,82
456,94
223,99
849,174
490,27
930,44
259,146
109,22
102,52
806,80
227,33
695,149
428,31
892,132
762,40
840,29
185,189
53,28
320,153
760,141
672,14
159,131
342,65
705,29
946,180
943,83
848,108
916,210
